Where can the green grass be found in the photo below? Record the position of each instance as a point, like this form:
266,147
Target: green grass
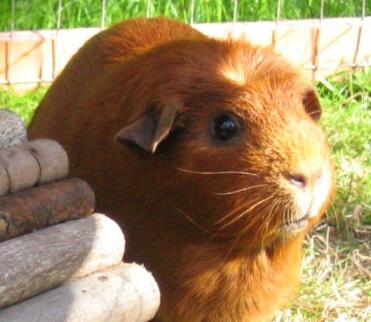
42,14
335,283
23,104
347,118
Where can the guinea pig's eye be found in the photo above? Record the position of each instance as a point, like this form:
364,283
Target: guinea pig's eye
224,127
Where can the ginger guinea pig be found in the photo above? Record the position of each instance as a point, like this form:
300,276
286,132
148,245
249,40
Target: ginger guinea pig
207,153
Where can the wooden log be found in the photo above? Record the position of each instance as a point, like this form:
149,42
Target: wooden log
47,258
12,129
52,159
126,292
23,169
31,209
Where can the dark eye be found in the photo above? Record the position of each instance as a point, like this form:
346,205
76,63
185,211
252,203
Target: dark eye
225,127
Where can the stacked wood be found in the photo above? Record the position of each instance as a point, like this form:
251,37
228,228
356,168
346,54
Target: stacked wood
29,164
72,270
45,259
65,253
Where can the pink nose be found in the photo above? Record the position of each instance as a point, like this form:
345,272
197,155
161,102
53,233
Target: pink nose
301,180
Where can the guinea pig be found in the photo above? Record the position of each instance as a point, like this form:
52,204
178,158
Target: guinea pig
207,153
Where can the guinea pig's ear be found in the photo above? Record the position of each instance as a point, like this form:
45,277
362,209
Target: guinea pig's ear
312,105
150,130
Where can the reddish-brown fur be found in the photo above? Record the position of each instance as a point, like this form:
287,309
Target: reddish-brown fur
212,262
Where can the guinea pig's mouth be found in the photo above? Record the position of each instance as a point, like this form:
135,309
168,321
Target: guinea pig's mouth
296,225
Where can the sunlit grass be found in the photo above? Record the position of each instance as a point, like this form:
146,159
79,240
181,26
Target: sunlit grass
336,284
347,118
24,104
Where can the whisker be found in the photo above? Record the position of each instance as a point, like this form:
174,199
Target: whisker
229,214
313,113
288,213
213,235
192,221
233,244
216,172
291,211
269,209
267,218
246,211
265,228
239,190
285,215
242,232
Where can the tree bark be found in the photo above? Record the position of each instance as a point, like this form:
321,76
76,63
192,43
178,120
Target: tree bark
24,211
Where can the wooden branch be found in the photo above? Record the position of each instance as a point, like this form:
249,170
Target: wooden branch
24,211
123,293
47,258
12,129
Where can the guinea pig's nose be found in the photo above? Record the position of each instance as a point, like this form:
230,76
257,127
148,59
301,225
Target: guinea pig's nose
297,179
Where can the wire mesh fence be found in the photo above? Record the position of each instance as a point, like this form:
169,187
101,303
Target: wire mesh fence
50,14
316,43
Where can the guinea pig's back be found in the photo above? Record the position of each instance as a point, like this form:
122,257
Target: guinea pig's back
111,46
